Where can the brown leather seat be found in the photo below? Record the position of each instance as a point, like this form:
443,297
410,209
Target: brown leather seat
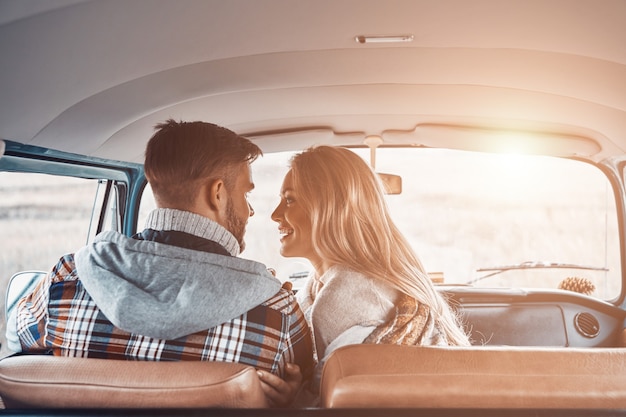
474,377
35,381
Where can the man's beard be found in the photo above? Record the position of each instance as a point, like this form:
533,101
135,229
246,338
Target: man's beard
236,226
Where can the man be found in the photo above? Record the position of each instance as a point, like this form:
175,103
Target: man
177,290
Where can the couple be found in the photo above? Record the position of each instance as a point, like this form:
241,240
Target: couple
178,291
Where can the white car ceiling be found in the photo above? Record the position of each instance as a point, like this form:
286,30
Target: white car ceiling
94,77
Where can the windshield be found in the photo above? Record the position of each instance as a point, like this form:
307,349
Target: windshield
489,220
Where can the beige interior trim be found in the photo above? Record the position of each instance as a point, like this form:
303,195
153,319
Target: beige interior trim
393,376
37,381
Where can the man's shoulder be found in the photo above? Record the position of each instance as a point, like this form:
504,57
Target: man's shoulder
65,269
284,302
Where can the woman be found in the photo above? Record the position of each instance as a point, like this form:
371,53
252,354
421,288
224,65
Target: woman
333,212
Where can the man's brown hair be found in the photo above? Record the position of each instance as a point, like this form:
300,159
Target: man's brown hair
180,156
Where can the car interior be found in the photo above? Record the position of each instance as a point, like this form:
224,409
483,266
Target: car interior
497,127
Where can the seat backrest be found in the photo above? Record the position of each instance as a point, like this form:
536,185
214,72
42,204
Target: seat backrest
474,377
38,381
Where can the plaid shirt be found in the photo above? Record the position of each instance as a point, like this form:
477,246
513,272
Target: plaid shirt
60,317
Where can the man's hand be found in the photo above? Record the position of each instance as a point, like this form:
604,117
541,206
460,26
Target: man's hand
281,392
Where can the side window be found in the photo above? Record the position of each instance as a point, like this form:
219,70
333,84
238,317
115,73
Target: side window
43,217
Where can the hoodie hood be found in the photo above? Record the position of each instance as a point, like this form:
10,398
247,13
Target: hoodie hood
167,292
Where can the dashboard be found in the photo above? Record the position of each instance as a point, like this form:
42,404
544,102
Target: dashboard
526,317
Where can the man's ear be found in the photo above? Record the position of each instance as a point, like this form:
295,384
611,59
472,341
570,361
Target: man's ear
217,196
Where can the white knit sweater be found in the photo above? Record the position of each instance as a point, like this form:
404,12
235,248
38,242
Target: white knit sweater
343,307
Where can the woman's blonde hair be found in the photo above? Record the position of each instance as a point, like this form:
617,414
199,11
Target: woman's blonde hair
351,226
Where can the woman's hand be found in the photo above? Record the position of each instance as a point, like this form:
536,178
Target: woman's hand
281,392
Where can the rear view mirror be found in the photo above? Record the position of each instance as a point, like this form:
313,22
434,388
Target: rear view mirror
392,183
20,285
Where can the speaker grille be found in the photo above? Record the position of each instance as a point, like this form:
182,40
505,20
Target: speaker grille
587,325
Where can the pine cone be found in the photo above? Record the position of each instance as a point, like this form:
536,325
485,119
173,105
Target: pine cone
577,284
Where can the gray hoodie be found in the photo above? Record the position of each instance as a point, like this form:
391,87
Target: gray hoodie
167,292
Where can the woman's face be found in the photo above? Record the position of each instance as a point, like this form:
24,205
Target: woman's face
294,224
